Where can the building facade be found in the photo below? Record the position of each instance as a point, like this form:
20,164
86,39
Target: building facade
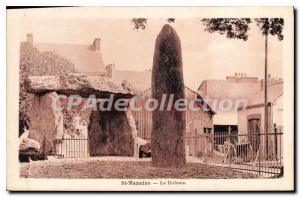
234,91
251,121
253,116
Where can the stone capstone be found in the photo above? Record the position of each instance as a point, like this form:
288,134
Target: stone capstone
76,84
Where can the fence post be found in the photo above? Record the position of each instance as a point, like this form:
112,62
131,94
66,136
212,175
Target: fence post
275,141
259,150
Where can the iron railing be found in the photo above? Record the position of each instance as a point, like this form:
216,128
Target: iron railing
256,152
73,148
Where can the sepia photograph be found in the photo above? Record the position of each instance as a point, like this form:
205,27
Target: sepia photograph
150,99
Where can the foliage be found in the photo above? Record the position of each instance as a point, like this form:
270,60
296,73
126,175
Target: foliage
238,28
171,20
139,23
233,28
271,26
35,62
69,115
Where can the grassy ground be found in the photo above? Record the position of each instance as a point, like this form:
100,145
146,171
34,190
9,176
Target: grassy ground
122,168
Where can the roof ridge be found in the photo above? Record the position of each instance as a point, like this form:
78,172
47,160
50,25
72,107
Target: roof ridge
62,43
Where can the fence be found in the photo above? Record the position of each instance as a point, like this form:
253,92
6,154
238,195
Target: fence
255,152
73,148
258,153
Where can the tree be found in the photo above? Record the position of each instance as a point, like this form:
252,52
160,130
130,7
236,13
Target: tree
271,26
232,28
238,28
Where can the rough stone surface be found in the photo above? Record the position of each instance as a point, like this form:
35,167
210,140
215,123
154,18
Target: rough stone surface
111,134
167,143
29,147
132,125
77,84
46,123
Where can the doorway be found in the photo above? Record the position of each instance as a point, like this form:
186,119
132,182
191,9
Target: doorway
253,131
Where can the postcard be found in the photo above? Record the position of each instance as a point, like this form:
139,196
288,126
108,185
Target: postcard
150,99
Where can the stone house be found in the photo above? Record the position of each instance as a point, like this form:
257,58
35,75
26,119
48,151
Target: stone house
235,89
251,121
87,58
253,116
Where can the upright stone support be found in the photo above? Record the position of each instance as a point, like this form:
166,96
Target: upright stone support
167,142
132,125
111,133
46,122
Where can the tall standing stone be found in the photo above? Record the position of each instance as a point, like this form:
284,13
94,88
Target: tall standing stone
167,141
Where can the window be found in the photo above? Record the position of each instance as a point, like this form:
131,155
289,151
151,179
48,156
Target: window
207,130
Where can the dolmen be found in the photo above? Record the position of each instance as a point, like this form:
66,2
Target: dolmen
110,133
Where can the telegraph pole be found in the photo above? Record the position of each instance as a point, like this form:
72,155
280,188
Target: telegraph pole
266,97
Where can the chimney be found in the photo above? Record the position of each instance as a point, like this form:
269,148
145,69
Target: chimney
96,44
110,70
262,84
29,38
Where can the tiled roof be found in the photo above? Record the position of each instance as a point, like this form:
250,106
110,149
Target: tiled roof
140,80
84,59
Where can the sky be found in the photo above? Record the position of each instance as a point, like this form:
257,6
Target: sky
205,55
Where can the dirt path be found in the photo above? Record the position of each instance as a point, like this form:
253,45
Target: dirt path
112,167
